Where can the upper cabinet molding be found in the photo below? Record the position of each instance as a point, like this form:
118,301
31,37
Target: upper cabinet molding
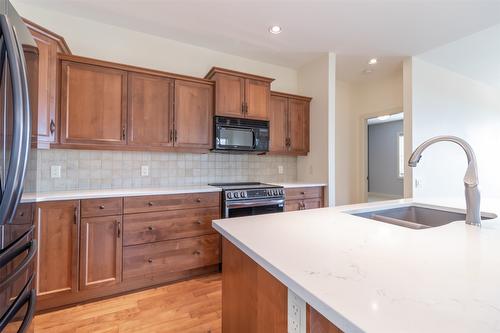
219,70
61,42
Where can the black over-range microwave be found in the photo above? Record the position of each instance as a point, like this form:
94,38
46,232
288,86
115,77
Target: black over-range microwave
241,135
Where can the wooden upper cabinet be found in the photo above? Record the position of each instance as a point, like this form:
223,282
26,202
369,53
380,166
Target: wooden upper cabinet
93,104
241,95
257,99
45,109
278,124
298,124
229,95
150,117
57,234
100,252
193,114
289,124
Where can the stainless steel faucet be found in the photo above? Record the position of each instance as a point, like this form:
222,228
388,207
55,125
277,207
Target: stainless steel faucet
471,181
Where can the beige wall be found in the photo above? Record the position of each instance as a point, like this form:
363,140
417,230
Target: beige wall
317,79
107,42
355,103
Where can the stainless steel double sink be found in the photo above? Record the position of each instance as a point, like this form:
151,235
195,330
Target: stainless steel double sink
416,217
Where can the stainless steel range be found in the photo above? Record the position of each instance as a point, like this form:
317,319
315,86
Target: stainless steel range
244,199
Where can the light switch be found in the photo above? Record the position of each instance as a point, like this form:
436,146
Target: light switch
145,170
55,171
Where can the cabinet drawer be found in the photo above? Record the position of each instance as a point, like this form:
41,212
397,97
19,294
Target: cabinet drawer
101,207
24,214
157,259
158,203
303,193
292,205
159,226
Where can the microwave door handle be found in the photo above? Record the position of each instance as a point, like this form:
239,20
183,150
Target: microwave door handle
254,136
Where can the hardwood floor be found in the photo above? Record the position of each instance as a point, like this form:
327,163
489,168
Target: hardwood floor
192,306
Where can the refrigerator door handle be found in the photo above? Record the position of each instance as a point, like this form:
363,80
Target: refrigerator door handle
27,295
31,247
21,123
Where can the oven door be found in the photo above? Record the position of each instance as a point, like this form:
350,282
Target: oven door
253,207
235,138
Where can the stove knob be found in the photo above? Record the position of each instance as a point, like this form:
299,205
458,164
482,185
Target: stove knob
275,192
236,194
229,195
281,192
243,194
269,192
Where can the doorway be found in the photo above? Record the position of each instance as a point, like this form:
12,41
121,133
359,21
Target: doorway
385,158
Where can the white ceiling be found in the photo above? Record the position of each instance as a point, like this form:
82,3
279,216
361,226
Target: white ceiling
354,29
476,56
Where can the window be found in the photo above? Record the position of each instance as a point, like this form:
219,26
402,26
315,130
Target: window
401,155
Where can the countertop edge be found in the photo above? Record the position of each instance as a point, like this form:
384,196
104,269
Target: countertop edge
102,194
329,313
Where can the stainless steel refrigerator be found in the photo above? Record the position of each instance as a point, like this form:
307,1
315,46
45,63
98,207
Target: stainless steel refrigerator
17,246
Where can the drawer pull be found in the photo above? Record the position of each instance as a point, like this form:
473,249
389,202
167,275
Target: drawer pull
150,260
198,200
101,207
22,214
150,228
199,222
196,252
150,203
302,193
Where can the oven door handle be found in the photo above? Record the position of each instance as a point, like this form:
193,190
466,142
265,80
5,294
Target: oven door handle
256,203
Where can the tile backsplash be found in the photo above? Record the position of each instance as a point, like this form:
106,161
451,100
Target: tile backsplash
82,169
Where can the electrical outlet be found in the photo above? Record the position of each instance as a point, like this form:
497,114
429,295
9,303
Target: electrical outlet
55,171
280,169
145,170
296,313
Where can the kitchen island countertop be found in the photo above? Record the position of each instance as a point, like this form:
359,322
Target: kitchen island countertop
369,276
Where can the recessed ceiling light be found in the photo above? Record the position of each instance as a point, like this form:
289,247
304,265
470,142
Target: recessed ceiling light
275,29
372,61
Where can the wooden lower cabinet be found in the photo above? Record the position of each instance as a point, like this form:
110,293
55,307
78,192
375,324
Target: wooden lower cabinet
100,251
94,248
161,259
255,301
303,198
56,226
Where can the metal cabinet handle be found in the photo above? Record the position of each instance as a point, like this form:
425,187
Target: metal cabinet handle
27,296
171,135
302,193
198,200
150,204
52,126
101,207
75,221
118,229
150,260
150,228
123,133
175,135
197,252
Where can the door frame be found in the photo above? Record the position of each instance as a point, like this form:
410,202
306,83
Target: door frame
363,125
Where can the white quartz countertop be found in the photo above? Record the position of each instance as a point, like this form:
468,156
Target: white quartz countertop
95,194
130,192
369,276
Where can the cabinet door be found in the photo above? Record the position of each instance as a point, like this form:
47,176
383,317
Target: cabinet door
257,98
193,115
100,251
47,84
150,103
298,118
229,95
57,234
278,124
93,104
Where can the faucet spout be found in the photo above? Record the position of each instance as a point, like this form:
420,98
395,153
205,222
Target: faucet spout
471,179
